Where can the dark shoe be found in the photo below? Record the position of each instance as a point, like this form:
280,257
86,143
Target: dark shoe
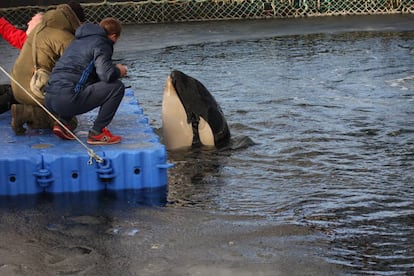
18,119
6,98
103,138
62,133
38,118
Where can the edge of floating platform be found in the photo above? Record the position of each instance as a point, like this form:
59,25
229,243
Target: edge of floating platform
41,162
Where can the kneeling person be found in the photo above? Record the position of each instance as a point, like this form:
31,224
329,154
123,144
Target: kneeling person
85,78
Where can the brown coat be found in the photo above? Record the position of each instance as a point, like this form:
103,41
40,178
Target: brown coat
53,35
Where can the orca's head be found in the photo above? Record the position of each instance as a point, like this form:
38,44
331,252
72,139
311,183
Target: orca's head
191,115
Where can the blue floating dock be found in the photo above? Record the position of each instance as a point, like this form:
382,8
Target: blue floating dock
40,162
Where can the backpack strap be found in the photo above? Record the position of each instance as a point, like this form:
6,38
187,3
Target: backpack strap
34,52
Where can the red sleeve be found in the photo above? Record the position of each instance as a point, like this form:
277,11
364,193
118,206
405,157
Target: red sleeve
11,34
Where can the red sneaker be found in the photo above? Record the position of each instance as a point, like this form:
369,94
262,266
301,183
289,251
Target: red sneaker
103,138
62,133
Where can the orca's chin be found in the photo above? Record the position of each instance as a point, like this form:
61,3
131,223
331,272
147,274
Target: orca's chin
177,132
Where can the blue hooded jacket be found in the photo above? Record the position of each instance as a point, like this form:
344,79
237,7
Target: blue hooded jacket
88,59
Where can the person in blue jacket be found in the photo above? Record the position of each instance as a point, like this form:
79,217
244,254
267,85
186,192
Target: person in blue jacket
85,78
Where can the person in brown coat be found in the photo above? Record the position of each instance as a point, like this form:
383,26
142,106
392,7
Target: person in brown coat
51,37
16,38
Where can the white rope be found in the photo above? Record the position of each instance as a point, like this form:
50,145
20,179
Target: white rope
91,153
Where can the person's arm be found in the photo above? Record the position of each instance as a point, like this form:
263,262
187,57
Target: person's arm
11,34
105,69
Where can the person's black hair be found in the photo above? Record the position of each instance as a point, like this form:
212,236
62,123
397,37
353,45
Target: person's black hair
78,10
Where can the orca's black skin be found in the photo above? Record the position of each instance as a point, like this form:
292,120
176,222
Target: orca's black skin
198,102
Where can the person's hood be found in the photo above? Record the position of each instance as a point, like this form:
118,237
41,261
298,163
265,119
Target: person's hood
89,29
63,17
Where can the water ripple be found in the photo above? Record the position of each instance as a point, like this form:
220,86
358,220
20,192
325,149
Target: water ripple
327,121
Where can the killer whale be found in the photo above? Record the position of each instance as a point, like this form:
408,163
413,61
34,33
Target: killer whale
190,115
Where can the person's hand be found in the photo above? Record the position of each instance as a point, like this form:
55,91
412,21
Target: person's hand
123,69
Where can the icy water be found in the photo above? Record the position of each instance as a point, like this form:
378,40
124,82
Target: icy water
320,166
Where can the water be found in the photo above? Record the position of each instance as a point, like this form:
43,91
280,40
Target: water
322,150
332,116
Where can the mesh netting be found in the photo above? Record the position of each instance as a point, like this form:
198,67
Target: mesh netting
157,11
